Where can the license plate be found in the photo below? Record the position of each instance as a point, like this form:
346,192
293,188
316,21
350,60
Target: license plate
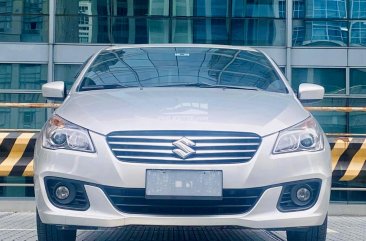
183,184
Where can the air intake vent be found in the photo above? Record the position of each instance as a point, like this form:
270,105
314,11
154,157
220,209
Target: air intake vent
132,200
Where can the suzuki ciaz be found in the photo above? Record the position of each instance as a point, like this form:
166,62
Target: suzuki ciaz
184,135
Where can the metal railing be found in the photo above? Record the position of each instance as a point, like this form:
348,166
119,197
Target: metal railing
337,109
30,105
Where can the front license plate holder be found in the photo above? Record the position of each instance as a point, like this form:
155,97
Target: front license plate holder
184,184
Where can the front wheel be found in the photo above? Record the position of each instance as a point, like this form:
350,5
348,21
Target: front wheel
317,233
49,232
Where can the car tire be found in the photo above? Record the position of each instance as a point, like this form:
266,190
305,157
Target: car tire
317,233
48,232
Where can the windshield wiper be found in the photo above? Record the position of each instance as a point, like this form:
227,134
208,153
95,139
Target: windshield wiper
203,85
235,87
102,87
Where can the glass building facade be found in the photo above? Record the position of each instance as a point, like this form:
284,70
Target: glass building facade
47,40
314,41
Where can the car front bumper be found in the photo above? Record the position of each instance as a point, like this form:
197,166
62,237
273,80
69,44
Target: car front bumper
102,168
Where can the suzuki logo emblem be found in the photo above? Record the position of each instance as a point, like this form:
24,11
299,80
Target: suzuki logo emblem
184,147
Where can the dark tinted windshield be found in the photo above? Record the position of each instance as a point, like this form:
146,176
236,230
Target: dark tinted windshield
184,66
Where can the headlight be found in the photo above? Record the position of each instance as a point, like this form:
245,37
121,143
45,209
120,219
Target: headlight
61,134
306,136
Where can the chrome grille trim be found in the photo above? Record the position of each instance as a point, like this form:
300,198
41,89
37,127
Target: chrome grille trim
180,160
168,151
209,146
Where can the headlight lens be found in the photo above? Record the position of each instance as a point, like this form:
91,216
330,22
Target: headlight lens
61,134
306,136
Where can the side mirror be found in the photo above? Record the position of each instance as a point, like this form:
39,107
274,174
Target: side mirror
310,92
54,91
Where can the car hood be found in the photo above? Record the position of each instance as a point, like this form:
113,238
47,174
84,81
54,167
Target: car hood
105,111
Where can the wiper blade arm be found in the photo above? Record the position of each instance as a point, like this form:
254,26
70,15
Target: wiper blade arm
204,85
237,87
102,87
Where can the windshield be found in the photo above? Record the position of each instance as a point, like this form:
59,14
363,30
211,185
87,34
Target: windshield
183,67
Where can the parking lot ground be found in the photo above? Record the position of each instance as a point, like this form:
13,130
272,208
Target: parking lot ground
21,226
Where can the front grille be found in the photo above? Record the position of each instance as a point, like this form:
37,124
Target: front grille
209,146
132,200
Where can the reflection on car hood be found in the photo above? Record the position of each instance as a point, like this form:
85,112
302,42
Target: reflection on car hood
104,111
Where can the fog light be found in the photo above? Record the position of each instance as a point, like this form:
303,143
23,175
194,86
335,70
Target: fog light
303,194
62,192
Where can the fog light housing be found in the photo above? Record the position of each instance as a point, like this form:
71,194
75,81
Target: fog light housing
66,194
298,196
62,192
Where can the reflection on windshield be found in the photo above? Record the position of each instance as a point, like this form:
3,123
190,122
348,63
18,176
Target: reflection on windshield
151,67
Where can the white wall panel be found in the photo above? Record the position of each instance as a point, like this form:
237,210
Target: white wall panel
357,57
331,57
74,53
23,53
277,54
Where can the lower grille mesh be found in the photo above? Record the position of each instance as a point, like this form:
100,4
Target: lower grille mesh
132,200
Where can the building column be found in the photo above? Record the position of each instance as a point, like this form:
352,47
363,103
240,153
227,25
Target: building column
289,5
51,43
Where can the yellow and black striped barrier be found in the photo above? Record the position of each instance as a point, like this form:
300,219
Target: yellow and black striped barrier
348,159
348,156
16,153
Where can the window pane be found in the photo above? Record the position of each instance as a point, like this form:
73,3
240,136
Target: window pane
358,81
23,28
182,31
283,69
111,30
67,73
75,7
16,191
140,8
34,7
333,80
206,8
22,118
140,30
358,9
22,98
298,9
258,32
24,7
22,76
357,120
336,9
158,7
113,8
83,29
250,8
358,33
320,33
331,122
213,31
